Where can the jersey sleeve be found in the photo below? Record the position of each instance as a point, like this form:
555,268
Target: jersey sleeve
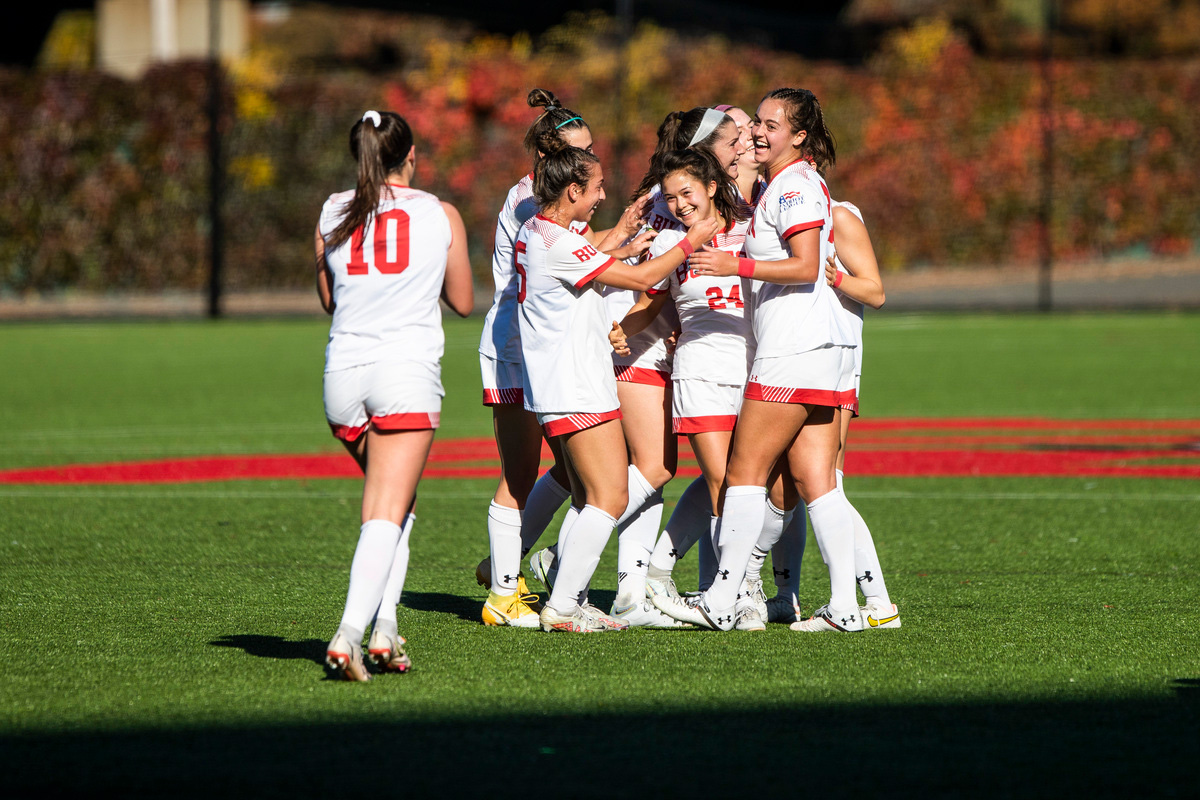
574,261
799,206
333,211
661,244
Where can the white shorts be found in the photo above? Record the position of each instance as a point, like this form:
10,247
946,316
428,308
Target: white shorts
643,375
558,424
821,377
503,381
702,406
390,395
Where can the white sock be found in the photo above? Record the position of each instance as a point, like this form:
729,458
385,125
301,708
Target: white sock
741,524
833,527
688,522
788,554
385,616
577,561
564,533
771,531
634,544
546,497
709,559
867,570
504,538
369,572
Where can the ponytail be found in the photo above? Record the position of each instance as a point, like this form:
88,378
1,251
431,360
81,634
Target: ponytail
379,142
545,135
804,114
558,170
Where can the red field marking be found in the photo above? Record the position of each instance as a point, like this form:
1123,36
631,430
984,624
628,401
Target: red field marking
911,453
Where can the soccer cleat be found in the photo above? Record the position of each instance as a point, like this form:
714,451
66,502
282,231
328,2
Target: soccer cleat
877,615
346,660
780,609
748,616
483,576
664,587
696,611
388,653
827,619
511,610
584,619
755,587
542,565
644,615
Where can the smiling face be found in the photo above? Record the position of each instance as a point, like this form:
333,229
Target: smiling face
728,148
745,139
587,198
775,143
688,198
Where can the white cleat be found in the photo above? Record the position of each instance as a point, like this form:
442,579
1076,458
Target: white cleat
543,566
643,615
748,618
584,619
877,615
755,588
388,653
662,588
827,620
696,611
781,609
346,660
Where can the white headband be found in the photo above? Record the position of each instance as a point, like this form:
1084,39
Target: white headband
712,118
376,120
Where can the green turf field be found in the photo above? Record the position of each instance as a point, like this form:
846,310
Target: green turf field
167,639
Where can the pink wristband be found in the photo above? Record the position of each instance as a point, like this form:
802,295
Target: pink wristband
686,247
837,280
745,268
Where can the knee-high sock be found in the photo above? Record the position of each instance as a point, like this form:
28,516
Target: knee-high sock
688,522
373,558
385,616
634,544
867,570
741,524
833,527
564,533
771,531
578,559
636,530
504,538
546,497
709,558
788,555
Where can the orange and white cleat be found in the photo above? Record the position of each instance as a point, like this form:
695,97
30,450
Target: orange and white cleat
345,660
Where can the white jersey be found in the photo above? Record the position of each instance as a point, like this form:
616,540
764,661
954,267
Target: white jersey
852,308
715,342
647,350
501,337
564,325
794,318
387,280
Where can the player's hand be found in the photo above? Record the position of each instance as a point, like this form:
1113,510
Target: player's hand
703,232
631,217
672,342
714,262
636,247
616,337
830,270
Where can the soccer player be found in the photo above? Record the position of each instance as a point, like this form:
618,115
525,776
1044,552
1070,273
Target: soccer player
569,380
802,371
385,253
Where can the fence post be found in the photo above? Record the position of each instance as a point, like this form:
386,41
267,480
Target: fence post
1046,210
215,182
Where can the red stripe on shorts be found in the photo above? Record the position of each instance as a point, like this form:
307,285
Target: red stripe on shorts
418,421
579,422
503,397
787,394
647,377
347,433
716,422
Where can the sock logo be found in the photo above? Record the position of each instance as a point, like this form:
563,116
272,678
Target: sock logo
675,554
511,578
865,577
846,622
641,563
724,620
724,573
785,573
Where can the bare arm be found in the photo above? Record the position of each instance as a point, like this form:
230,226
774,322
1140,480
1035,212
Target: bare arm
854,249
458,290
644,311
643,276
324,278
804,265
627,226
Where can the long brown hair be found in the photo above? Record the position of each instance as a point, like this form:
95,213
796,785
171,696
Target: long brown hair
675,133
704,168
558,170
545,135
804,114
379,150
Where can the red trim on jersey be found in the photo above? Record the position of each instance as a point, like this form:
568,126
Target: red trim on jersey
504,397
578,422
413,421
788,394
585,281
540,216
780,172
642,375
653,292
347,433
716,422
803,226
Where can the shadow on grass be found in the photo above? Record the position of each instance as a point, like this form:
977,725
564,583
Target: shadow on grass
274,647
1128,748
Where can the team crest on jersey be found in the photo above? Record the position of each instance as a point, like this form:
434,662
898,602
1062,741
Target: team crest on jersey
790,200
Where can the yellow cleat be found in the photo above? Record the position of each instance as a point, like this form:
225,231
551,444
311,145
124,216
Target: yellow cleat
483,576
510,610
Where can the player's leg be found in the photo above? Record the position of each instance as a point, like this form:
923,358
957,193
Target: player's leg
877,610
386,647
788,553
